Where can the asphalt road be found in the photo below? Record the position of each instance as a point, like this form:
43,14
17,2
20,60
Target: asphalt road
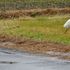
13,60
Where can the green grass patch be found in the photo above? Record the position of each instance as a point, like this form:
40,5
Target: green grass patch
48,28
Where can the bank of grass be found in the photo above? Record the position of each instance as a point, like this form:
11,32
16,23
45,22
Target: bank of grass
48,28
34,0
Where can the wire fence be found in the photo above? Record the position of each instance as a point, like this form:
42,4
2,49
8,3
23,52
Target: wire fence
32,5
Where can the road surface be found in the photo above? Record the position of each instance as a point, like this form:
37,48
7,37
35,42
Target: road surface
13,60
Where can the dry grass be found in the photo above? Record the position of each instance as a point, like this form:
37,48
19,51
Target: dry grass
34,12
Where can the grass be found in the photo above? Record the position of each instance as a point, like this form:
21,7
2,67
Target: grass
34,0
48,28
30,4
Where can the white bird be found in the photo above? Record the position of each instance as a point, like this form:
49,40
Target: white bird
67,25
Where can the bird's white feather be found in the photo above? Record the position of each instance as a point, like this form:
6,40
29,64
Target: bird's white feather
67,24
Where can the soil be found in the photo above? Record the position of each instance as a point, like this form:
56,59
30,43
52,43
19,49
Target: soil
32,45
35,47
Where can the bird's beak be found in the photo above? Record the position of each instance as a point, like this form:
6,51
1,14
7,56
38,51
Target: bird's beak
66,30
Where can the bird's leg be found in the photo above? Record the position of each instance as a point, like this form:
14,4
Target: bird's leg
66,30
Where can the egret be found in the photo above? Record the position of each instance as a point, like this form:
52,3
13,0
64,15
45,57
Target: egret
67,25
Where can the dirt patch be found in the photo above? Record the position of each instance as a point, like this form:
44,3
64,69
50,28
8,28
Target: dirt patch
31,46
